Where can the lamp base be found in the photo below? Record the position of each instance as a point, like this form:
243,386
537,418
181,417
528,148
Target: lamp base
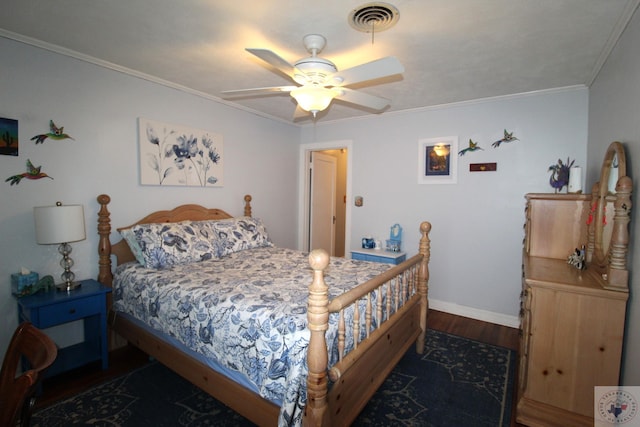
68,286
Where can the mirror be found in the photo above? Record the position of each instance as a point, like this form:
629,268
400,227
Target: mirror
614,167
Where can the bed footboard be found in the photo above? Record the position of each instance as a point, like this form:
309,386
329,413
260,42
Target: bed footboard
391,328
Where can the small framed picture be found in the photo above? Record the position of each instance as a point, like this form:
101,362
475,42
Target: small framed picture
9,144
438,160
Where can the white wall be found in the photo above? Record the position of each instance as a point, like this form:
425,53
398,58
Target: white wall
99,108
478,222
613,116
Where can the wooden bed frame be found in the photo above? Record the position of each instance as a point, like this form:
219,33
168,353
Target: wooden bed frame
357,375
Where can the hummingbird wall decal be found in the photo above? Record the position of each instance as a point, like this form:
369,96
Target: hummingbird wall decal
56,133
473,146
508,137
31,173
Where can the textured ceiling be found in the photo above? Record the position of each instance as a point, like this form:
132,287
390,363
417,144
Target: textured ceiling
452,51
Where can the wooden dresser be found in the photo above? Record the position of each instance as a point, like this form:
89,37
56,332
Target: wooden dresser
572,320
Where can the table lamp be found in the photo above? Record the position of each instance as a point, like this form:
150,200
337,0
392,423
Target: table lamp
60,225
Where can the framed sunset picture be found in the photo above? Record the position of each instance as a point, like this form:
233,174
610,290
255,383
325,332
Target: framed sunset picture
438,160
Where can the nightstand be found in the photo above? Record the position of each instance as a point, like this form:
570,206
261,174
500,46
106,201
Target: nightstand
51,308
377,255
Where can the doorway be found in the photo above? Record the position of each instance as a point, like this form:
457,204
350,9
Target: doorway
324,191
322,201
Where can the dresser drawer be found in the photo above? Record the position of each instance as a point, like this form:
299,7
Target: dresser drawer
69,311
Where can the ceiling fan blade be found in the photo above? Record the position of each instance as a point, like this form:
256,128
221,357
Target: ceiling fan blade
360,98
379,68
258,91
273,59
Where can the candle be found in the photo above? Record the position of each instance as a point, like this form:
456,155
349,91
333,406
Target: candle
575,180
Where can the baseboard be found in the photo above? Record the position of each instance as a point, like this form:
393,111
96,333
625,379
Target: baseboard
475,313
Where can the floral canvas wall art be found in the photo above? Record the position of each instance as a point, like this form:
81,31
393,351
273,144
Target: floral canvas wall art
173,154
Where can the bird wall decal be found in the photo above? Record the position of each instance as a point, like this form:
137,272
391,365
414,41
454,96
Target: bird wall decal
56,133
31,173
508,137
473,146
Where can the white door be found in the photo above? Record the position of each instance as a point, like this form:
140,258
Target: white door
322,202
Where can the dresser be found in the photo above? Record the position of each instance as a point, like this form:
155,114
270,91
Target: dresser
572,320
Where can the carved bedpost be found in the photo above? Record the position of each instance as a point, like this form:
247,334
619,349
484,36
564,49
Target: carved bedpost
617,273
318,323
423,283
247,205
105,276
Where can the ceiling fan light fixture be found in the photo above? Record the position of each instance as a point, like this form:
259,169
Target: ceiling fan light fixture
313,98
319,80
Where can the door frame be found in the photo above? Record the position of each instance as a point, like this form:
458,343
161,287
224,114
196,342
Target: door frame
303,190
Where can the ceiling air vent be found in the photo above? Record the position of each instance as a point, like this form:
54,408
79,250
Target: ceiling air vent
374,17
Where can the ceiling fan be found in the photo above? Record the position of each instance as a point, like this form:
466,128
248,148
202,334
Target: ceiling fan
320,81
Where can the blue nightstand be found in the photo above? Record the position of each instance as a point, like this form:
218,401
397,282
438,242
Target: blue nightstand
377,255
88,302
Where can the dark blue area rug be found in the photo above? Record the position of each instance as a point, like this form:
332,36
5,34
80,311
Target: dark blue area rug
456,382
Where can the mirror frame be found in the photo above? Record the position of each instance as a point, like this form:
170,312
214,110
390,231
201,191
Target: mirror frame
610,264
615,150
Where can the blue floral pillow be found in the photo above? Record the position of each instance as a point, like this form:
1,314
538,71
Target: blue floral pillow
129,236
238,234
164,245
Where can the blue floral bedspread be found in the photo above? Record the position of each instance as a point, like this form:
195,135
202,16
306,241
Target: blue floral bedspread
247,310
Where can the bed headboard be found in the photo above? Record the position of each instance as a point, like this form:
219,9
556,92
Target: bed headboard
121,248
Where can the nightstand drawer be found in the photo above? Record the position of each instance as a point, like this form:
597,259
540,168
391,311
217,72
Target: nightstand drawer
379,256
359,256
56,314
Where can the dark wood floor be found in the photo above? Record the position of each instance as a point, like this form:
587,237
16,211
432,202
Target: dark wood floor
129,358
489,333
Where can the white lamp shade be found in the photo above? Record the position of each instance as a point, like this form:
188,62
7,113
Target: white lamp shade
59,224
313,98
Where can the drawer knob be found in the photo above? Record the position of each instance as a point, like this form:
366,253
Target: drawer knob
72,311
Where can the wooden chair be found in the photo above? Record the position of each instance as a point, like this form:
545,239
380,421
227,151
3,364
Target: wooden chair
17,390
